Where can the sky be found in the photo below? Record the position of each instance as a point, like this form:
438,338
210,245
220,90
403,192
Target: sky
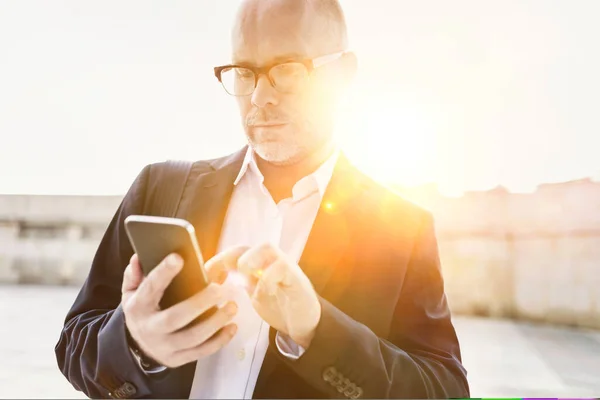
467,94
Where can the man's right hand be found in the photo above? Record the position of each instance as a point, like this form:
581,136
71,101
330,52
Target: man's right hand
162,334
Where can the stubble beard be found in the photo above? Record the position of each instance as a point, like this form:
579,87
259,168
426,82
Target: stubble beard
280,151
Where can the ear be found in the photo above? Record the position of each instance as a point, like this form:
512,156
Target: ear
345,73
349,66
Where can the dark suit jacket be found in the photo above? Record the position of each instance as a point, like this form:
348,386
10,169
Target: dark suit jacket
372,256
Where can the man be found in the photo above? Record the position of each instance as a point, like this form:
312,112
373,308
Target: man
343,294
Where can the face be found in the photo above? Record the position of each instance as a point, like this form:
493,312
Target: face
286,128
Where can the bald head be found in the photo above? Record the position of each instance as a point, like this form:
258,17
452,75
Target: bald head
316,26
333,19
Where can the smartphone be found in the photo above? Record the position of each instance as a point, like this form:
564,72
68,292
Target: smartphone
154,238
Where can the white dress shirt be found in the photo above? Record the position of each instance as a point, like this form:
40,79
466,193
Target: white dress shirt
253,218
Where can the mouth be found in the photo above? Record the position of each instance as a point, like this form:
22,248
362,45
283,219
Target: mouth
269,125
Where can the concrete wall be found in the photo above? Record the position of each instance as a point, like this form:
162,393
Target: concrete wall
531,256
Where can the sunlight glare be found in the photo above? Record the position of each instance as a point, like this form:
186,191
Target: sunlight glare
394,145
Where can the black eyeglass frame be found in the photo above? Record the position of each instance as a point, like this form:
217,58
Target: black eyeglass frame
310,63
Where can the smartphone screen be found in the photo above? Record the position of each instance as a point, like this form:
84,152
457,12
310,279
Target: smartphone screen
154,238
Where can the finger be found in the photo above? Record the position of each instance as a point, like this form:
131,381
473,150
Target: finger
181,314
203,331
133,276
207,348
274,277
251,283
218,266
257,259
153,286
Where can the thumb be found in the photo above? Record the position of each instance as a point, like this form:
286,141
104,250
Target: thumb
133,275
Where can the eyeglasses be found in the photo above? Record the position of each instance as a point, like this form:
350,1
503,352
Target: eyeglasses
286,77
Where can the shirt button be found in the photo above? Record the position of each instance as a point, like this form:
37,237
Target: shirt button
241,354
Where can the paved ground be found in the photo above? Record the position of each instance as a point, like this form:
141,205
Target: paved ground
504,359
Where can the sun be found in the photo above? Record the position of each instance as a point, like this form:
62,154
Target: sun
394,144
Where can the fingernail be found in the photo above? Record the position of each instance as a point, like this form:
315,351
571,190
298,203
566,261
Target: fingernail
173,261
232,329
231,308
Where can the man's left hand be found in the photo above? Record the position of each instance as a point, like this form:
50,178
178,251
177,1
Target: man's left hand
281,293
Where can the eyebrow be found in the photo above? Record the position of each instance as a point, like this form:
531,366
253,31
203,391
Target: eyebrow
279,59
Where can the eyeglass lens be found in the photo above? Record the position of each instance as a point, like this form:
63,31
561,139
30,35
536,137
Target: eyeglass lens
286,78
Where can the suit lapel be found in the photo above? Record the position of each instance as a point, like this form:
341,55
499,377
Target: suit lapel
330,235
206,205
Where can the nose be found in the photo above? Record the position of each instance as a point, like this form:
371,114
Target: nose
264,93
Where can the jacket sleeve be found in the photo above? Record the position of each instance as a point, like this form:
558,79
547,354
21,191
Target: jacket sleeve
93,351
420,358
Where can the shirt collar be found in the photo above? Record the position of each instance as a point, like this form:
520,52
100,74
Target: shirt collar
318,180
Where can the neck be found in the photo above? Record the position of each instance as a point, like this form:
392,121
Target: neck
280,179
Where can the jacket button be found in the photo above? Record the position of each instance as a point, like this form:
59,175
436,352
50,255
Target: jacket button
357,393
350,390
344,385
129,388
329,374
125,391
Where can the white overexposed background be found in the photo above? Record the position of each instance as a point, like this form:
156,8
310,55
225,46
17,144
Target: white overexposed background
468,94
